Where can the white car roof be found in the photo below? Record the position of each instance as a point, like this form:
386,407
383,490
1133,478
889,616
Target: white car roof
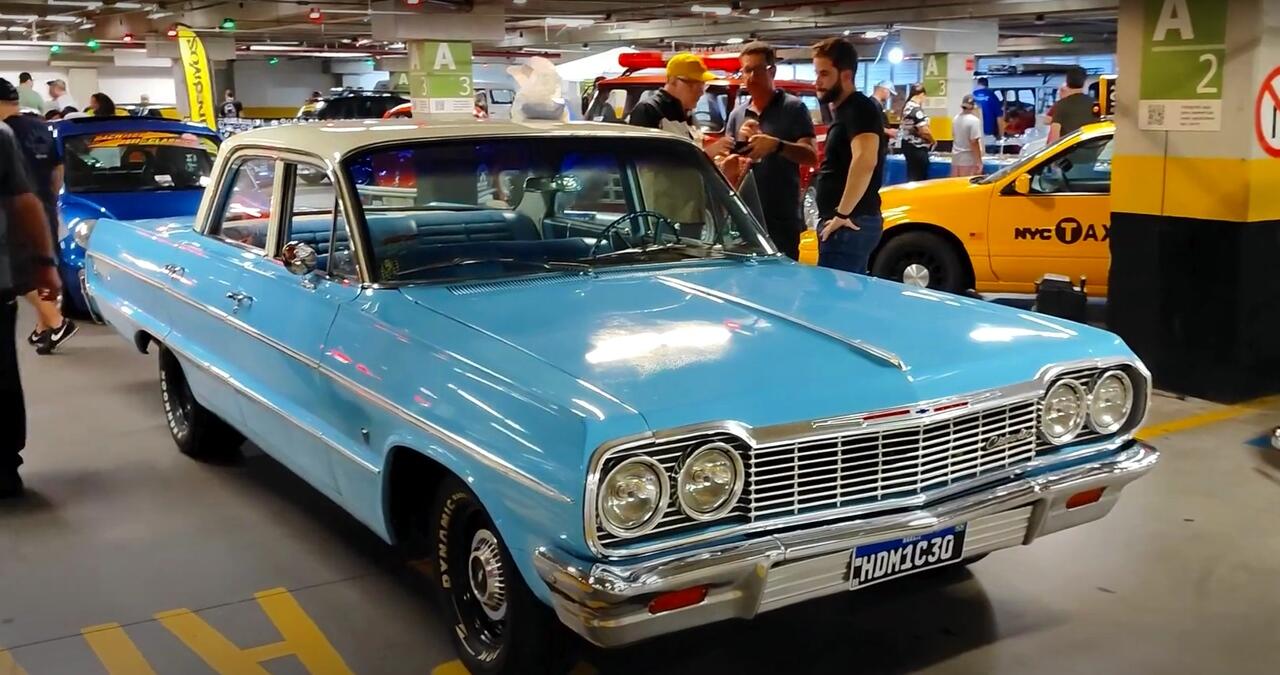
339,139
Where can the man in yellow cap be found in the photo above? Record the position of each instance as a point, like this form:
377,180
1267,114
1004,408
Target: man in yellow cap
668,108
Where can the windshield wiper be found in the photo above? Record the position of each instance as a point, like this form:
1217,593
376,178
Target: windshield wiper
544,265
707,252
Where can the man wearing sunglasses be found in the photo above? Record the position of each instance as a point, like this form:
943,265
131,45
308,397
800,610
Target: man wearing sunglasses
668,108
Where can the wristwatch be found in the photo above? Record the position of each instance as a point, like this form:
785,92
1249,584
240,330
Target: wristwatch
845,216
44,261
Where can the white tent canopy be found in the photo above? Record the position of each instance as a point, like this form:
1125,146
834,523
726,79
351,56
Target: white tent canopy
589,68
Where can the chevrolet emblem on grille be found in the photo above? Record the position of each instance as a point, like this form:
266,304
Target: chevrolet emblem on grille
996,442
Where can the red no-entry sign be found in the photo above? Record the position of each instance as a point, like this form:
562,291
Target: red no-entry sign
1266,114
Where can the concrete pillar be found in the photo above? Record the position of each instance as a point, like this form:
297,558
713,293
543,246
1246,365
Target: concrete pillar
946,51
1195,236
946,78
441,81
82,83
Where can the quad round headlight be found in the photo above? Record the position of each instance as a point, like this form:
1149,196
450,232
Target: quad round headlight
632,497
710,481
1110,402
1064,411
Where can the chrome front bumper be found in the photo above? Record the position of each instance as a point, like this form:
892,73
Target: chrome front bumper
608,603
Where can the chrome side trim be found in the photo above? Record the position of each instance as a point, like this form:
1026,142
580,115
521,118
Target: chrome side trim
861,345
245,391
214,311
804,431
485,457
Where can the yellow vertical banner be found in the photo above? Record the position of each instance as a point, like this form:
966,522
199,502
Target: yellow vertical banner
195,65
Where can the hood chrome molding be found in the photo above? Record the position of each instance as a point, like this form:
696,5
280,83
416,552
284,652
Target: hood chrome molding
879,353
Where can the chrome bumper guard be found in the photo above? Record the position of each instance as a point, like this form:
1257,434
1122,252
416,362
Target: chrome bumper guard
608,603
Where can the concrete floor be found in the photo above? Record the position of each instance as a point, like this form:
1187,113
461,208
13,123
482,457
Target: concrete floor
1184,577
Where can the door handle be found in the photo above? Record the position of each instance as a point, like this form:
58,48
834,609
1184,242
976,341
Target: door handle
240,298
175,270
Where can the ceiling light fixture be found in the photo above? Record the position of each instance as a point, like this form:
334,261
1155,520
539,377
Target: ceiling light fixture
315,15
87,4
63,18
128,5
172,33
569,22
896,55
718,10
875,34
92,44
159,14
273,61
127,38
734,41
228,24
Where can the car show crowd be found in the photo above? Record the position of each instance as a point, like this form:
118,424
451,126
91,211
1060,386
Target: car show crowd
769,150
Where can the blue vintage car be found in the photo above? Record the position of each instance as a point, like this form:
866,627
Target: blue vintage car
565,363
126,168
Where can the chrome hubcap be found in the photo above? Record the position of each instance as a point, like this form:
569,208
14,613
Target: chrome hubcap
916,275
488,582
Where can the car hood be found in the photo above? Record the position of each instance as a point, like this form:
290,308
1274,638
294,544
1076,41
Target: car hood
763,344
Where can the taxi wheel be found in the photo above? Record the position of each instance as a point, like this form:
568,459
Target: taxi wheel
921,259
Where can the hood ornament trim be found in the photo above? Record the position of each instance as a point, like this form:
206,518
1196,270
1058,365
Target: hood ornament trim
861,345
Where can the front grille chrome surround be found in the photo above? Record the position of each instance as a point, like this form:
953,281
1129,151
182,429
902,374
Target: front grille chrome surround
850,466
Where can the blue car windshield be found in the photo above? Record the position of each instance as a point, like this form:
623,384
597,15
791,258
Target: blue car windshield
511,206
138,161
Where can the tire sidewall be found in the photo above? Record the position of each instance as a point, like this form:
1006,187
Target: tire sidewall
945,272
454,509
171,388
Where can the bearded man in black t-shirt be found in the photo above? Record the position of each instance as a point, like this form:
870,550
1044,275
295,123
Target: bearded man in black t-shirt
848,182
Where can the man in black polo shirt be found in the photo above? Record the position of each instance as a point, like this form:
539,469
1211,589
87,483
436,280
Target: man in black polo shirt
785,141
853,165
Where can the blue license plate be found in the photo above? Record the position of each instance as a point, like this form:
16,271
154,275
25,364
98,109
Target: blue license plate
873,563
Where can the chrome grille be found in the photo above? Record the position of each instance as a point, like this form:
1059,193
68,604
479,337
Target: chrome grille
870,465
861,467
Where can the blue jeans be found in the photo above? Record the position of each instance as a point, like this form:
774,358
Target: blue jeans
848,249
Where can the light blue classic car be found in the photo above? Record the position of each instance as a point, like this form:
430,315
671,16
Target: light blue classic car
566,363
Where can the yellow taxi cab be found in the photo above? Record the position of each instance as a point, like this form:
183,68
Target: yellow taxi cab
1049,212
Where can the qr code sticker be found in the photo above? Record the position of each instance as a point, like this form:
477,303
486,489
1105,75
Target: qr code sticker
1155,115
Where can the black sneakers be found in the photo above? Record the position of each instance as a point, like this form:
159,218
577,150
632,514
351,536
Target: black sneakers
10,483
53,338
34,338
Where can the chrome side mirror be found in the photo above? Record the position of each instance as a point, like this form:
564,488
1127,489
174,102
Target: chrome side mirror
299,258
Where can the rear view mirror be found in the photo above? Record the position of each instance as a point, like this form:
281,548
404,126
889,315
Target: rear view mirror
1022,184
565,182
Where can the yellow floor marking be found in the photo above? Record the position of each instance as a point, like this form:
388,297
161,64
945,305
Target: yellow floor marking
8,666
118,654
455,667
1206,418
302,638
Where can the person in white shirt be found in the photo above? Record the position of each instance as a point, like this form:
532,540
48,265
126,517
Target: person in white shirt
59,99
966,149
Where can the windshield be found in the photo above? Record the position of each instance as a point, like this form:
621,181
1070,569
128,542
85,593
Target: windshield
138,161
1026,161
509,206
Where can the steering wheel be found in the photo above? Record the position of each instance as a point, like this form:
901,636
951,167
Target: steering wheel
634,215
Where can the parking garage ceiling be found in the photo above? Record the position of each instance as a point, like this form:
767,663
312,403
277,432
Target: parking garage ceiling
535,26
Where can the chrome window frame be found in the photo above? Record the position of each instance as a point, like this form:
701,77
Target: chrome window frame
210,209
817,430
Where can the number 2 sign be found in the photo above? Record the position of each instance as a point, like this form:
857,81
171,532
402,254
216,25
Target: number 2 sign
1184,47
